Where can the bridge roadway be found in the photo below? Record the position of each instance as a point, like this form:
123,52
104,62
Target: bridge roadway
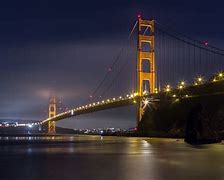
207,89
96,106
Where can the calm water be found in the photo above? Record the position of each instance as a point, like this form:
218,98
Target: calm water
102,158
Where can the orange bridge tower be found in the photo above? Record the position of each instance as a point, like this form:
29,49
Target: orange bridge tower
52,112
146,75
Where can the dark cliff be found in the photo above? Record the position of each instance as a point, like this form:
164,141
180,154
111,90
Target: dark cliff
196,114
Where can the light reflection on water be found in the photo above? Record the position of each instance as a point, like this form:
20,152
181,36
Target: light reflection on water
96,157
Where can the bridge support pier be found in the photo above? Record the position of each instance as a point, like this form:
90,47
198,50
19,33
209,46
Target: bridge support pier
52,113
146,74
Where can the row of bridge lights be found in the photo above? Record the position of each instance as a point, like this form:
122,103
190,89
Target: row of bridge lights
128,96
198,81
220,76
181,85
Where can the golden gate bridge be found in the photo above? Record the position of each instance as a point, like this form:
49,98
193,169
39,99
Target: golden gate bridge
162,55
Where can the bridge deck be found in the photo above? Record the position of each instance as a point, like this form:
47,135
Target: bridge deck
94,107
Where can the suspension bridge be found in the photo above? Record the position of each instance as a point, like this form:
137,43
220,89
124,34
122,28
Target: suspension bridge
164,62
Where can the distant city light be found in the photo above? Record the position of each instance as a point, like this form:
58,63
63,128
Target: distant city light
30,125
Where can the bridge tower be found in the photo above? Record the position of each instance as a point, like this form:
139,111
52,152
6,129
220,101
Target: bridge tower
146,75
52,112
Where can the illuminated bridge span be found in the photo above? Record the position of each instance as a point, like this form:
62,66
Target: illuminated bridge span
163,57
97,106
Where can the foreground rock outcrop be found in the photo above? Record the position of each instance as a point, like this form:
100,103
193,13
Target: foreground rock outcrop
197,117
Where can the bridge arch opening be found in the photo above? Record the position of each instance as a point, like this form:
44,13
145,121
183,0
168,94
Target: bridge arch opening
146,65
145,30
52,108
146,47
145,86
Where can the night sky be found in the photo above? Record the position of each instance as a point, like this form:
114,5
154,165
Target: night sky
65,47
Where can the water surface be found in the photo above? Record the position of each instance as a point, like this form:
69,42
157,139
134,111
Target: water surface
107,158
